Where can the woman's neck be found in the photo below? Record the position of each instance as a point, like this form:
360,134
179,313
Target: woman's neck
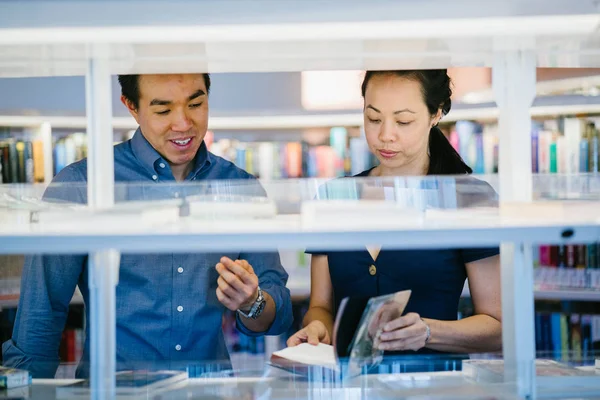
415,168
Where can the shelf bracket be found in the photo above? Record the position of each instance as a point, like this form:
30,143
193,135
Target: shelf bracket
513,84
103,266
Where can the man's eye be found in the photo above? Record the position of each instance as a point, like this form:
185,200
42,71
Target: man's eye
162,112
195,105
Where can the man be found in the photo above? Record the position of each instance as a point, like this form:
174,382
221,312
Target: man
169,307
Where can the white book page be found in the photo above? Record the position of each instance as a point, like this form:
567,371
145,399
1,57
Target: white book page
304,353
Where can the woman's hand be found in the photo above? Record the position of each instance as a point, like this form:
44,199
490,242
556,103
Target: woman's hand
313,333
408,332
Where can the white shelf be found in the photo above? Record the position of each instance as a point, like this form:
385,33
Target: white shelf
229,36
559,294
565,294
301,121
132,234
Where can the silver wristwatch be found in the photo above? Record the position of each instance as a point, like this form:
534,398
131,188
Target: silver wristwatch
257,307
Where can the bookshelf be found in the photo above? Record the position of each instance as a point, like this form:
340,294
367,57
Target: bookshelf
377,35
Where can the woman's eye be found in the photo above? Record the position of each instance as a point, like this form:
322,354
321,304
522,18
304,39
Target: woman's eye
374,121
403,123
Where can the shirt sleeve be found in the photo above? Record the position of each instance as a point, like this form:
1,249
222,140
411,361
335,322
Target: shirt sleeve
272,279
47,286
316,252
470,255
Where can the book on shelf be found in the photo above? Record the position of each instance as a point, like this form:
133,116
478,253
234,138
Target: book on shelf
342,155
358,325
19,160
129,384
571,266
13,378
567,337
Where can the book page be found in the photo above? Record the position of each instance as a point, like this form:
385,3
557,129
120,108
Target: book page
305,353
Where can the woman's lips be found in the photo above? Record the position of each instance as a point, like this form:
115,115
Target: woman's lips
387,153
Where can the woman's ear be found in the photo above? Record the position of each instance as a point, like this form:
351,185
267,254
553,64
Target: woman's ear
436,118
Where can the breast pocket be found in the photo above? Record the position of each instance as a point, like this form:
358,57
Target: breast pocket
206,275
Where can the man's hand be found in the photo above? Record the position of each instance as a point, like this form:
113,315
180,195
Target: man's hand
237,284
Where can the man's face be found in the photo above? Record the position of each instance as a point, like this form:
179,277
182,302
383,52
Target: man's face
172,114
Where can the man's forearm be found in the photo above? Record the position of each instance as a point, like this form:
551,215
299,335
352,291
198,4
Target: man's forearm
266,318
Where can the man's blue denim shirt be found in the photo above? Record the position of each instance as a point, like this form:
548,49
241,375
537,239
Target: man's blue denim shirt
168,314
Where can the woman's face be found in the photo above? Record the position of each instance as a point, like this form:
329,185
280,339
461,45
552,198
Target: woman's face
397,121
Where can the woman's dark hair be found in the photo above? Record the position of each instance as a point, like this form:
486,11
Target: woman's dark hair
435,87
130,87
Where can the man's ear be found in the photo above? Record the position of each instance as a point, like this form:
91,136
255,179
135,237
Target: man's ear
130,107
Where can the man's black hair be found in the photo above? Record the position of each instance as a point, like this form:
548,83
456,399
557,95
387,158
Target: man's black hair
130,88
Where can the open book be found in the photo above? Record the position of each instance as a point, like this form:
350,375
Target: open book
358,325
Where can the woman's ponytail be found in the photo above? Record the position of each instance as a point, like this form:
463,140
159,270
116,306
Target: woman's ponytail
443,158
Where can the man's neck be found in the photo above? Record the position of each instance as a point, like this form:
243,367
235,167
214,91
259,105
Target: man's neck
180,172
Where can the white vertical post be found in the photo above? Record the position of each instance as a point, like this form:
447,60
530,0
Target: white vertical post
103,265
513,81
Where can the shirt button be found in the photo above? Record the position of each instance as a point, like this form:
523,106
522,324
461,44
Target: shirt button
154,177
179,308
372,270
162,165
178,347
180,270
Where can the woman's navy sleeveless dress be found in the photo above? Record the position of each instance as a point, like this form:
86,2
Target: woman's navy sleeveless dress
436,278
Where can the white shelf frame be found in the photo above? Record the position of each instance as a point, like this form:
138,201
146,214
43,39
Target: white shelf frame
296,121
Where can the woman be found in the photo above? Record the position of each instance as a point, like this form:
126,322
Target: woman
401,113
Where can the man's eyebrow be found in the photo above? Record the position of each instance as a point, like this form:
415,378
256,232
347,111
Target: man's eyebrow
158,102
197,94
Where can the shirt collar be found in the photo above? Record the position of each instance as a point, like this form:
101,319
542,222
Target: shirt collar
149,157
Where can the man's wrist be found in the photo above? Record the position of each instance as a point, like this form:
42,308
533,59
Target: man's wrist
248,306
256,308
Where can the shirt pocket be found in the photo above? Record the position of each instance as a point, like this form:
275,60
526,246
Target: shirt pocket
205,277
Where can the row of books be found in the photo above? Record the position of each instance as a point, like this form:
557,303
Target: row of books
567,266
564,145
21,161
567,337
343,155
